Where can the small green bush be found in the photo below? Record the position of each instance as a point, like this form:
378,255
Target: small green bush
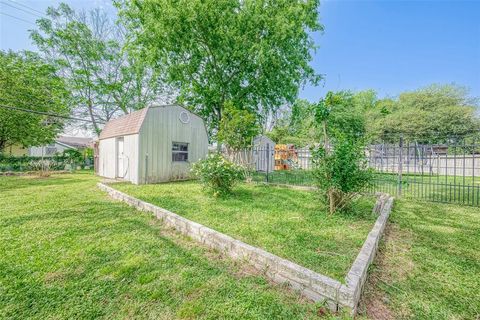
73,156
218,174
27,163
342,172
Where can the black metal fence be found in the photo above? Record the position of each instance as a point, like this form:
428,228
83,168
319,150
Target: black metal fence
441,172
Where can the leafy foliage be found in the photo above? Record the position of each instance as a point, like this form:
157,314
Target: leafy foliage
304,124
425,115
27,82
340,167
105,75
73,156
217,173
254,54
26,163
237,128
342,171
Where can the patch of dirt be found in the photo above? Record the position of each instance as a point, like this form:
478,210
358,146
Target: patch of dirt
392,264
57,276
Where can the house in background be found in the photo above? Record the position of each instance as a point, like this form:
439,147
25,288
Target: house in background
60,144
154,144
15,151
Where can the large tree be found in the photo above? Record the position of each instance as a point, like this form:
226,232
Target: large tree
427,115
27,82
300,126
253,54
105,75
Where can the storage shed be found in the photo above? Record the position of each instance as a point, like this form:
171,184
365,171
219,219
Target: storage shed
154,144
263,153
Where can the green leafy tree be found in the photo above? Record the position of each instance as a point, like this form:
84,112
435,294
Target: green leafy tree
296,126
254,54
305,123
27,82
105,75
237,128
341,171
73,156
426,115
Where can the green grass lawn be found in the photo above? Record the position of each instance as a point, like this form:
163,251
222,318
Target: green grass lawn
438,188
290,223
68,252
288,177
428,266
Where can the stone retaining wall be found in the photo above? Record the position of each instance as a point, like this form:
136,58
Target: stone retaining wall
310,284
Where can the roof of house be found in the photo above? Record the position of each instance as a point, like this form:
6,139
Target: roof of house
125,125
263,137
76,142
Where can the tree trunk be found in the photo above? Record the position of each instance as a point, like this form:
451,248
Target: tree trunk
3,144
331,199
335,198
94,122
325,136
219,119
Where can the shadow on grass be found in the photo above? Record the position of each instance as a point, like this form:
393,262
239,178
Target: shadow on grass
84,256
12,183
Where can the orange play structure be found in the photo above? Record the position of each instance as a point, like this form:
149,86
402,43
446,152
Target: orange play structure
285,156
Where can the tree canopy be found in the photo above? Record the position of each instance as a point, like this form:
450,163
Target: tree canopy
436,111
237,128
90,51
254,54
426,115
304,124
27,82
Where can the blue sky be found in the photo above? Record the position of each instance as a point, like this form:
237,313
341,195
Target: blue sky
389,46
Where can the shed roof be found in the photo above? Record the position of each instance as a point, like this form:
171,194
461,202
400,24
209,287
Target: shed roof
125,125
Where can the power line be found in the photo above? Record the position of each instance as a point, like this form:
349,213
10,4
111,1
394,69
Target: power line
9,15
21,9
25,6
47,114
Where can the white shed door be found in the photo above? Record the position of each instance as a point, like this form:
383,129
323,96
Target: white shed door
120,158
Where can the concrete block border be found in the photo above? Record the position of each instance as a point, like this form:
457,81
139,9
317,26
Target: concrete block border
308,283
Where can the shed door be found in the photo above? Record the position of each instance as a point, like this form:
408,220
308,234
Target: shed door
120,159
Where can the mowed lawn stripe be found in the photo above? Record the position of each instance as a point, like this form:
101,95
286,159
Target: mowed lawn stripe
290,223
67,251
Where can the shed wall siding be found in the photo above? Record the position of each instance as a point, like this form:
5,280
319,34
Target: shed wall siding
131,154
160,129
108,158
106,162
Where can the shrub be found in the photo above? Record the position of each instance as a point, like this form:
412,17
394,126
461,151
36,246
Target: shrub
73,156
217,173
341,172
27,163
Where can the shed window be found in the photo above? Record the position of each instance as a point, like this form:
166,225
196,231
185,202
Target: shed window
180,151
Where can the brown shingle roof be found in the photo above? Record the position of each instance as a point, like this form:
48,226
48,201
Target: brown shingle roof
125,125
